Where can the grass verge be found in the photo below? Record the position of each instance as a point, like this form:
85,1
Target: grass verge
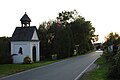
7,69
98,73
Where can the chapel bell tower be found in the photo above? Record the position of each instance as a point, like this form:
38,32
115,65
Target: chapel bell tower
25,21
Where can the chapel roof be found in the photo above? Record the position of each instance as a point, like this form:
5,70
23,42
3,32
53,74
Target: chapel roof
23,33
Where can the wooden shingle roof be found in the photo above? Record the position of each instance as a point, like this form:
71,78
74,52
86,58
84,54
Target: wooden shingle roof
23,33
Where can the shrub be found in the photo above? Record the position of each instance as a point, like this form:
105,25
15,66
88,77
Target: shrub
114,70
27,60
108,56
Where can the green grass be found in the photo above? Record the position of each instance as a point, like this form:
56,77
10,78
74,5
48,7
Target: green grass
7,69
100,73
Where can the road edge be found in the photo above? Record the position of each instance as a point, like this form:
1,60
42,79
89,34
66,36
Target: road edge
85,69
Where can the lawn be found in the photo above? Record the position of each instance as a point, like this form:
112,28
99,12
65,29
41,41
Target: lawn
7,69
98,74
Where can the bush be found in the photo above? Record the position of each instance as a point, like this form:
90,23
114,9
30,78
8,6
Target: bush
108,56
114,70
113,73
27,60
114,66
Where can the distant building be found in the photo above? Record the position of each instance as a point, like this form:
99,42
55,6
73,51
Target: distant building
97,46
25,42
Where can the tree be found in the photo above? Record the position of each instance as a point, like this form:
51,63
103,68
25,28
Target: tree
113,57
5,56
67,31
43,41
66,16
83,34
111,38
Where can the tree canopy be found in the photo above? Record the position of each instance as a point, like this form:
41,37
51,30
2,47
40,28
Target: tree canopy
63,34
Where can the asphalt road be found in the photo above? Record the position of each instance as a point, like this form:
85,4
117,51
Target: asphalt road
70,69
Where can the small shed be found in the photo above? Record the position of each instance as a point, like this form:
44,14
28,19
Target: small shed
25,42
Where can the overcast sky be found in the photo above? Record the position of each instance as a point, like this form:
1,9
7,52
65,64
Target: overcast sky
104,14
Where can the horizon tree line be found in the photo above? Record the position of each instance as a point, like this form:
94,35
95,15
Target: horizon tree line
70,34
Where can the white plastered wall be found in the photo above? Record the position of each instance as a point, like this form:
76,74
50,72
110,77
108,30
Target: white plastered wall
15,50
27,48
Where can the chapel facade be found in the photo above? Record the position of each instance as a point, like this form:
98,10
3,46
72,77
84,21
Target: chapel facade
25,42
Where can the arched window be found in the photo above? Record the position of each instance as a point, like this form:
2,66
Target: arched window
20,51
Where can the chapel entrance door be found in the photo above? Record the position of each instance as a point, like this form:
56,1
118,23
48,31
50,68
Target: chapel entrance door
34,53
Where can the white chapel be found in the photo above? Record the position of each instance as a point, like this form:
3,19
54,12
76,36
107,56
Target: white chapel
25,42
